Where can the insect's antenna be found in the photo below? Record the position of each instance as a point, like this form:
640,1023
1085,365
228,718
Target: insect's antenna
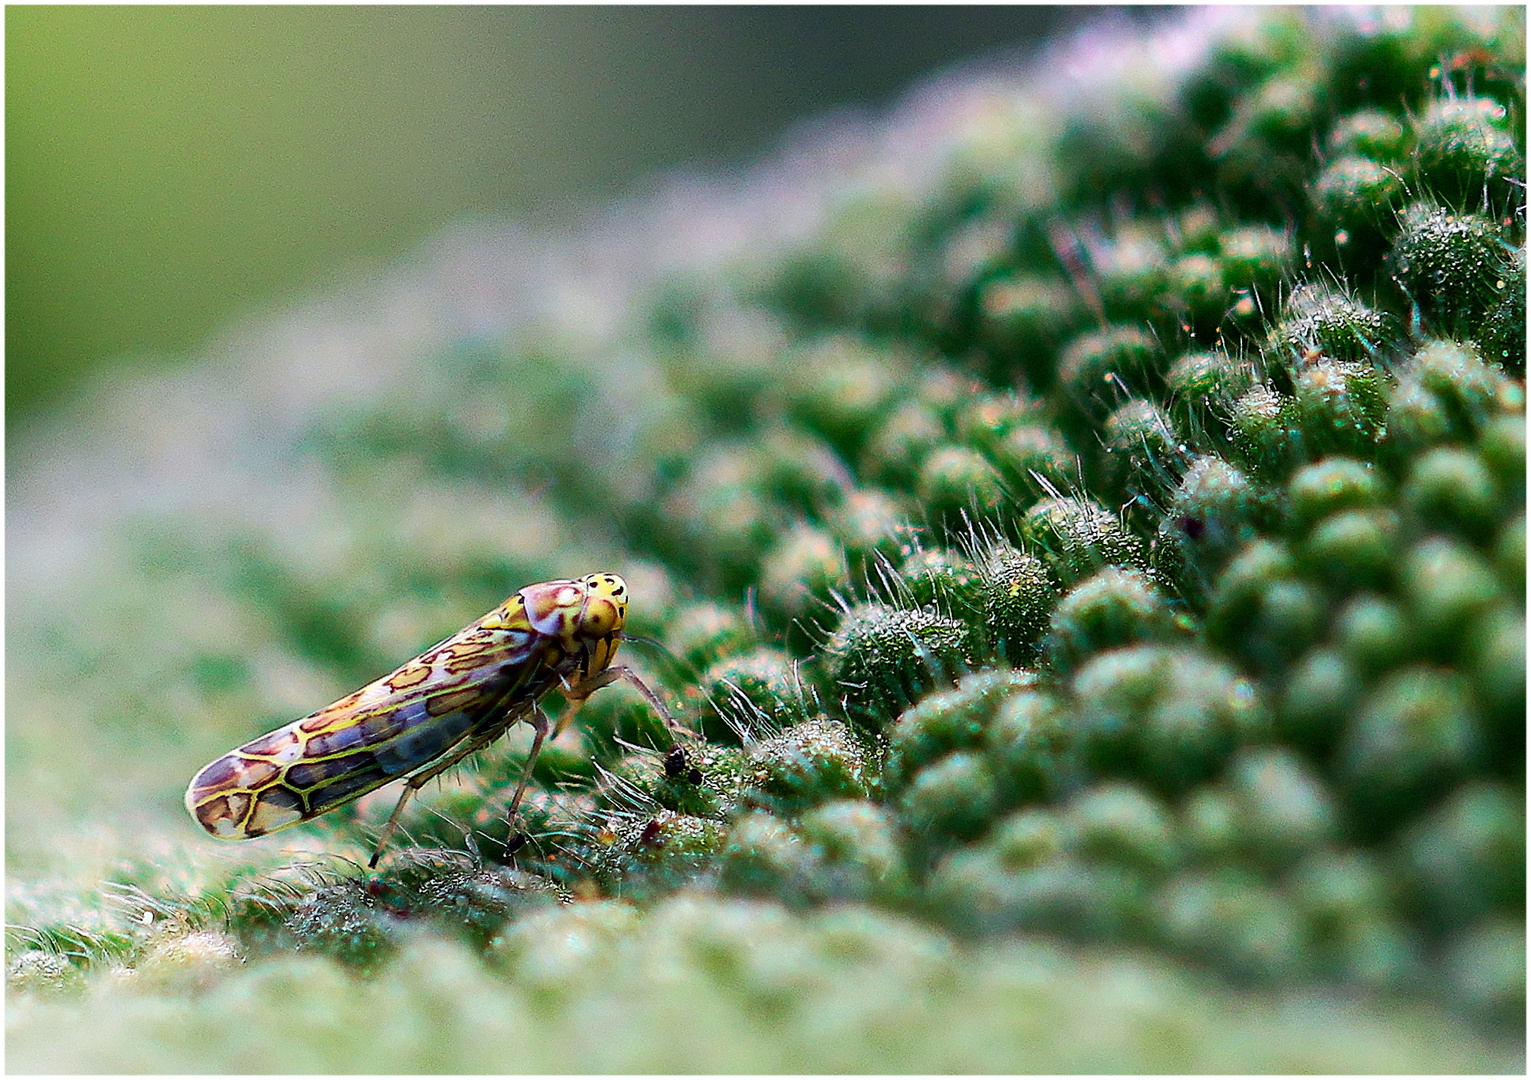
650,642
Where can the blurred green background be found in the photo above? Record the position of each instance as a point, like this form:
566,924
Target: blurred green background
169,169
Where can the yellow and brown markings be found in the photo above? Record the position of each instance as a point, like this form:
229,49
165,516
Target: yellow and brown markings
411,674
224,816
473,685
283,744
475,652
274,809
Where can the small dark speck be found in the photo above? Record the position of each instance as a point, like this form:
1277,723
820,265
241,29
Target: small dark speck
1192,527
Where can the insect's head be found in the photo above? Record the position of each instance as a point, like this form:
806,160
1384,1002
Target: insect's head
605,607
581,613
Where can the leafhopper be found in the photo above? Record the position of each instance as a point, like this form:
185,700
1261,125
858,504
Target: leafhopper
447,703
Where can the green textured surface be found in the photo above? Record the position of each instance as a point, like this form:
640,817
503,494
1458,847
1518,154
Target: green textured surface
1092,545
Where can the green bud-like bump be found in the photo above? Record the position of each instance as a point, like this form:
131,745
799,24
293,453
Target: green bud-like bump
701,632
1035,460
1266,434
699,781
840,389
986,420
1261,612
1450,491
945,581
1501,333
1454,266
1339,892
1448,588
1166,716
1255,259
1213,512
801,568
1502,445
901,442
719,511
956,797
882,659
339,921
868,520
1120,823
1285,811
1367,131
1412,737
1197,288
1329,486
1077,537
1484,969
1509,555
1467,856
1209,826
763,855
1471,391
1116,607
1202,388
1320,320
1019,594
1340,407
760,686
1231,919
860,858
955,480
1130,268
1030,741
1319,694
1022,319
807,764
955,719
1353,549
1140,452
1355,192
1494,655
665,849
798,471
1373,634
1463,144
1101,369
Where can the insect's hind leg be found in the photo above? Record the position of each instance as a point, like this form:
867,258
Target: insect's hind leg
540,726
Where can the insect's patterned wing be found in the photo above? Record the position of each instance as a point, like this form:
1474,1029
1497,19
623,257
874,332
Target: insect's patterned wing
383,731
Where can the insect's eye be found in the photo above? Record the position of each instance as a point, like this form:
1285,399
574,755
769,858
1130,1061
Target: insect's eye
601,617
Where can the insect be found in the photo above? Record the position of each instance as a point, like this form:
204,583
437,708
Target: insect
450,701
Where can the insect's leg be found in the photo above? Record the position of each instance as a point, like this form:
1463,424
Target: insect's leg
418,781
393,823
539,722
577,694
